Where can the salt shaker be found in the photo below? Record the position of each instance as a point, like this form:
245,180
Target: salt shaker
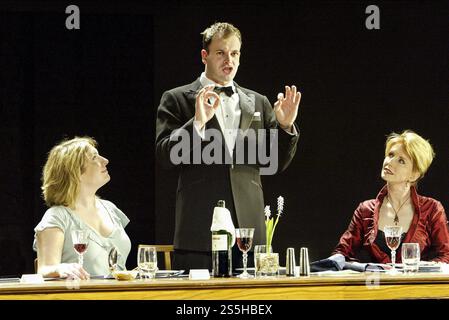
290,262
304,265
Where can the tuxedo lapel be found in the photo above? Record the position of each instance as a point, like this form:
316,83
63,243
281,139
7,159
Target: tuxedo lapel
191,92
247,106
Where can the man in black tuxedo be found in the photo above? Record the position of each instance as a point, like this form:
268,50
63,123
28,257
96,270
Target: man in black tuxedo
192,119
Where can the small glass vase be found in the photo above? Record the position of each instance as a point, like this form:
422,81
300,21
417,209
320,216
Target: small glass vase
269,264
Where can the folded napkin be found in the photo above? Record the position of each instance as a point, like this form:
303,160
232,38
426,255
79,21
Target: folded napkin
335,262
338,262
221,220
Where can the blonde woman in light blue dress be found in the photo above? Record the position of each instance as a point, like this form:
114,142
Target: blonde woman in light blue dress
71,177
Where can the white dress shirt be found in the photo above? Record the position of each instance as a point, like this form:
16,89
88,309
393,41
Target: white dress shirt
228,113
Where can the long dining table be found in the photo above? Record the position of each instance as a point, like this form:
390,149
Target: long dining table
324,286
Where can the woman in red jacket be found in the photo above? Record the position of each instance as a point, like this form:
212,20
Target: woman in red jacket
423,220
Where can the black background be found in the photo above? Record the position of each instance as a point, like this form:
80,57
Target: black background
105,80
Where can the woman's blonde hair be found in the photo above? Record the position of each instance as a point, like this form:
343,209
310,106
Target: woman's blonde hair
63,169
417,148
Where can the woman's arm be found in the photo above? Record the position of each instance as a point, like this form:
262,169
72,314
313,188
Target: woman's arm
439,234
351,240
50,242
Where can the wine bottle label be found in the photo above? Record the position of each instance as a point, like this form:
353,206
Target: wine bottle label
219,242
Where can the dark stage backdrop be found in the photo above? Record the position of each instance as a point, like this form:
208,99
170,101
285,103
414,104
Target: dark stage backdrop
105,80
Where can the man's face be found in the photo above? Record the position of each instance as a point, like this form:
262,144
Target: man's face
223,59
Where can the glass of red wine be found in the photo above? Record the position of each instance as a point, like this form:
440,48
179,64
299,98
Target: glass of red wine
244,237
393,239
80,243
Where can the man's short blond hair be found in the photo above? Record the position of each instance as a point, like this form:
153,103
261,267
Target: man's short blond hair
63,169
222,30
417,148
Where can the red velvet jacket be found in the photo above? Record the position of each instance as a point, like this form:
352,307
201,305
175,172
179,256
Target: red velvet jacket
428,228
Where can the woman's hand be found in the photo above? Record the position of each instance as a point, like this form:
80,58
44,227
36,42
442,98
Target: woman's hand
72,271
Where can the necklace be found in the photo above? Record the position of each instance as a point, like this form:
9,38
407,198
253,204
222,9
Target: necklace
396,217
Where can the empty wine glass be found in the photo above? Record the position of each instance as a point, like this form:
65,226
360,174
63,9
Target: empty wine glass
80,243
244,237
393,240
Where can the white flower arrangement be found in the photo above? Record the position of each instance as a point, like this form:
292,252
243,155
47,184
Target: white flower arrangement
271,223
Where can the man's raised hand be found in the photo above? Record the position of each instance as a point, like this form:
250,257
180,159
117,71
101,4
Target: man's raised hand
286,108
204,109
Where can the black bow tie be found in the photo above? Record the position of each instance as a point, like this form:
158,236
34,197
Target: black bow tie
227,90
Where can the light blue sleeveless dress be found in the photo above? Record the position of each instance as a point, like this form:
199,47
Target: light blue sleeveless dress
96,257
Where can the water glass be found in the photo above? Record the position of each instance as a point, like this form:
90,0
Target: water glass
147,261
410,253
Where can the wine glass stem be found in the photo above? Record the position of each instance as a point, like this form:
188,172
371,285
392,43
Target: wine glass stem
245,261
80,259
393,258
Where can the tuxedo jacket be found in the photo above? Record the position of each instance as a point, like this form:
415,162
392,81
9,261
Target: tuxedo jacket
201,185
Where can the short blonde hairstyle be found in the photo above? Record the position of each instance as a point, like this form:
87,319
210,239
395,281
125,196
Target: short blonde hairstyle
63,169
417,148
